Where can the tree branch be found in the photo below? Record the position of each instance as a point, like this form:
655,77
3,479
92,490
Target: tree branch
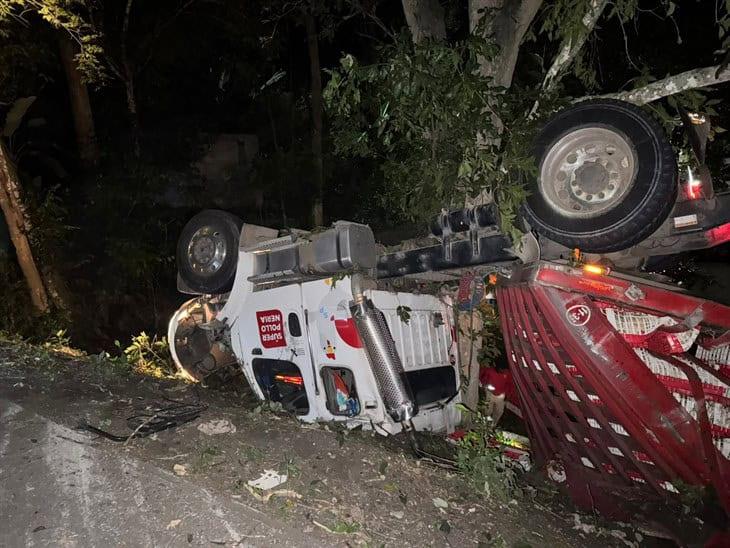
691,79
572,45
124,36
370,14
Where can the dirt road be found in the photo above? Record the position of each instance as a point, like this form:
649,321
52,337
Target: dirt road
63,487
59,490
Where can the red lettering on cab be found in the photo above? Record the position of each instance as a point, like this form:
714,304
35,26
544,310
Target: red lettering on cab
271,328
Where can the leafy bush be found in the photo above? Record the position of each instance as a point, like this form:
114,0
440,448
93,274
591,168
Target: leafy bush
439,131
16,319
481,463
149,356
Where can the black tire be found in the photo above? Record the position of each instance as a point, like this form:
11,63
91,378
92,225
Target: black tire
215,228
645,205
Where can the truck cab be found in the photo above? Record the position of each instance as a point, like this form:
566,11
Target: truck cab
287,323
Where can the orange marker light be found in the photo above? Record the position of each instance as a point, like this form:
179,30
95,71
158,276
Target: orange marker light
596,269
289,379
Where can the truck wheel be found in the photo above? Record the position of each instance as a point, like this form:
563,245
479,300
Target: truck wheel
207,251
607,177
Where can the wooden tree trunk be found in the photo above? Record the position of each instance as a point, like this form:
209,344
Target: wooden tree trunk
127,76
316,108
470,323
83,117
425,19
507,22
16,217
132,112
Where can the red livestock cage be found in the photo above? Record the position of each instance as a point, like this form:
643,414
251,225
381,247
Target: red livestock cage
623,384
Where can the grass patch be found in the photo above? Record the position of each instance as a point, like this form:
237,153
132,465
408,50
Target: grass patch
249,453
208,458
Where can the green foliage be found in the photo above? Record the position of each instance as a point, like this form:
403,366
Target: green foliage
69,16
290,468
434,124
345,527
149,356
138,247
491,334
482,464
404,313
137,260
208,457
58,340
249,453
563,20
25,60
48,215
16,318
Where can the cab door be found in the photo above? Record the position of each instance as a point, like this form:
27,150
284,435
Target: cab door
274,351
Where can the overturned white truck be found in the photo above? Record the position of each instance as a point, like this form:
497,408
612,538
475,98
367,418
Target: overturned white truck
326,346
302,316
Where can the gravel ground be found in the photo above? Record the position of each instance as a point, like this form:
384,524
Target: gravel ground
62,486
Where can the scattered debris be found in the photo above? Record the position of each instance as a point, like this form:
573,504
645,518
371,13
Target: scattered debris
145,424
341,528
624,538
173,457
180,469
217,426
440,503
102,389
268,480
582,527
621,536
287,493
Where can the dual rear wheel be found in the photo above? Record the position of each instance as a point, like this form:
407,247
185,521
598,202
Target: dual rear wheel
607,177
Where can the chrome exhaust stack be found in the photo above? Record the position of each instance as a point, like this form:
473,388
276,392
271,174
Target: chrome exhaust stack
383,357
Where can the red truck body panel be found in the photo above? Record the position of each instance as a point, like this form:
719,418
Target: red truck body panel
623,384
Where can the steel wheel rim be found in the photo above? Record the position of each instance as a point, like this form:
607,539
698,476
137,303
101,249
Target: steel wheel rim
587,172
207,251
